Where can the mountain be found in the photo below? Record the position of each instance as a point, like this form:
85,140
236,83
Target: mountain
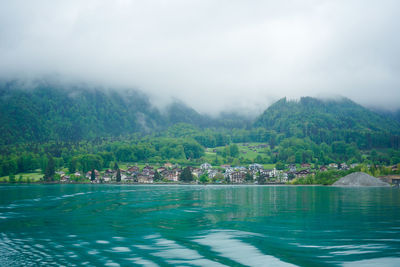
391,114
48,112
326,120
51,113
178,112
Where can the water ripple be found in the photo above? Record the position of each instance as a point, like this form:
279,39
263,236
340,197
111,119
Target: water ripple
227,244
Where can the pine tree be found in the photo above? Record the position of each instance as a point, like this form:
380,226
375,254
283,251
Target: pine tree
50,169
249,177
116,166
186,175
93,175
118,175
261,179
157,176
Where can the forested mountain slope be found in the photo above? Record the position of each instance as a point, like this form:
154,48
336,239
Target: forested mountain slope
46,113
49,113
330,120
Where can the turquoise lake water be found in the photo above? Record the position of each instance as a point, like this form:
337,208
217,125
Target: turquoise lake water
113,225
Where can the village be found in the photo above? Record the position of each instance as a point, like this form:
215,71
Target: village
205,173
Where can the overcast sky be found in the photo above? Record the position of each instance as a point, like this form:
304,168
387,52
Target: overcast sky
212,54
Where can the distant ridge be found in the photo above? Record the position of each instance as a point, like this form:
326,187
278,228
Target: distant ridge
47,112
330,120
309,114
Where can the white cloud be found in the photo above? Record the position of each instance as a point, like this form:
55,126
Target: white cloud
213,55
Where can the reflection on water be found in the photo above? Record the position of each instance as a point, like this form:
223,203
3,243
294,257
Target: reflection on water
198,225
227,244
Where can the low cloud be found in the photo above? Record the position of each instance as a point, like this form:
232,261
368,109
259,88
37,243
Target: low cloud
213,55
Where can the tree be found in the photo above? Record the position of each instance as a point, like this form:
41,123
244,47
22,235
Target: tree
50,169
203,178
280,166
93,175
216,160
248,177
157,176
72,166
9,167
261,179
11,178
88,162
186,175
118,175
234,150
116,166
219,177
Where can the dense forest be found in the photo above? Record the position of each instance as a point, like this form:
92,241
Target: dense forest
88,128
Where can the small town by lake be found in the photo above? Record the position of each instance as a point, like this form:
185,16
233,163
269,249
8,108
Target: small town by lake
225,225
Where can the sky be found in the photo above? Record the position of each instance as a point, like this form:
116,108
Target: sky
212,54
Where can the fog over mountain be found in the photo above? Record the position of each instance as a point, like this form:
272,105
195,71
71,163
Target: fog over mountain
213,55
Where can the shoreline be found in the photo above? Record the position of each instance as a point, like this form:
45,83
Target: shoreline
150,184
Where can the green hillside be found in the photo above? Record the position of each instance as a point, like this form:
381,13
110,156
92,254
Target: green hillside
54,113
48,113
328,121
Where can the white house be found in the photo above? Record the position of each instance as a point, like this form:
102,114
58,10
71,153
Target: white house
205,166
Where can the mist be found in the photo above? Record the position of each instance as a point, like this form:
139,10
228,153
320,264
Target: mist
213,55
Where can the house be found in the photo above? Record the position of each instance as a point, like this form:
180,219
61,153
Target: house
283,177
272,173
123,177
148,168
77,174
333,165
161,169
172,175
225,166
255,167
129,179
65,178
89,174
240,168
302,173
265,173
212,173
133,169
107,178
228,172
292,168
306,165
168,165
237,177
205,166
148,172
353,165
143,179
343,166
323,168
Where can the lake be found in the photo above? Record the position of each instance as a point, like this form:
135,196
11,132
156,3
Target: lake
120,225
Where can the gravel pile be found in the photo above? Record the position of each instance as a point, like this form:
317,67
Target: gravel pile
359,179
